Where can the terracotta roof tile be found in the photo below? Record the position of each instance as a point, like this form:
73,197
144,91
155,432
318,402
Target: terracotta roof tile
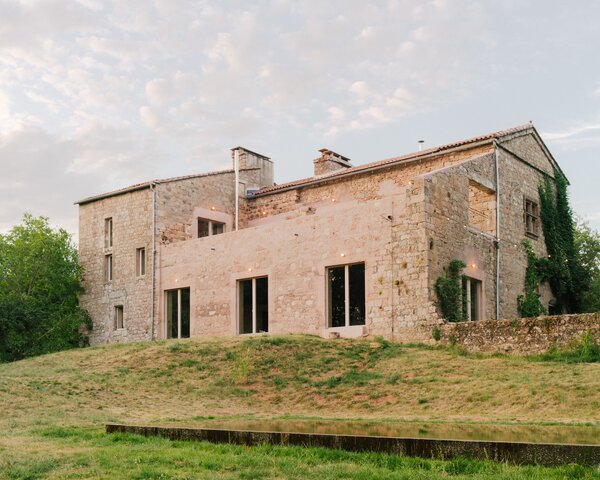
393,160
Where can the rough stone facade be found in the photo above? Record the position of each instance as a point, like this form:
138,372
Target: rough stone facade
405,218
523,336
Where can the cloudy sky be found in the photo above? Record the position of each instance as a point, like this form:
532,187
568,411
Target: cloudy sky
96,95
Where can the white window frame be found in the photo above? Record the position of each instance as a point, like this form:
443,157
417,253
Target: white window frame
178,290
239,309
479,289
140,262
346,295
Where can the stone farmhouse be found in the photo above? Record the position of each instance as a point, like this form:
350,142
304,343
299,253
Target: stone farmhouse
350,251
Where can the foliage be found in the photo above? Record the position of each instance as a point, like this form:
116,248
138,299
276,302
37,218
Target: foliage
449,291
40,280
584,350
529,304
568,278
436,333
587,244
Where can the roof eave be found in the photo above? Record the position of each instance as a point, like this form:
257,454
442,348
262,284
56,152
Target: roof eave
344,174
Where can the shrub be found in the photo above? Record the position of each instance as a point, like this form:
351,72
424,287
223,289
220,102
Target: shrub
584,350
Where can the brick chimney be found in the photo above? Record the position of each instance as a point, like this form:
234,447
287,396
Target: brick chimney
330,161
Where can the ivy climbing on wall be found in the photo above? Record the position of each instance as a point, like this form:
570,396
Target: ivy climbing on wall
567,278
449,291
529,303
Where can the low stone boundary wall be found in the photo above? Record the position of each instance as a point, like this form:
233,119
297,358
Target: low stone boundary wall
513,452
523,336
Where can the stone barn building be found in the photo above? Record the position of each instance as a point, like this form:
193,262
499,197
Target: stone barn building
350,251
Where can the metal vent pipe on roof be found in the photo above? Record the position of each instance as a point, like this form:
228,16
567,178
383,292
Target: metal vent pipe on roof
421,142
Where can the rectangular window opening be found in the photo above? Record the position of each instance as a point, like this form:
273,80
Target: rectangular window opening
532,218
346,295
118,317
471,296
178,313
108,268
140,262
209,227
253,305
108,233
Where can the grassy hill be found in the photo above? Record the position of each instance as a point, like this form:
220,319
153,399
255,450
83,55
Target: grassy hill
53,407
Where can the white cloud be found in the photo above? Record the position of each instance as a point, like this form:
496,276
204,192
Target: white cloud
166,87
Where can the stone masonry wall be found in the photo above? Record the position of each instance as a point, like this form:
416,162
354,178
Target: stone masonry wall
524,336
518,180
176,200
132,229
361,186
294,254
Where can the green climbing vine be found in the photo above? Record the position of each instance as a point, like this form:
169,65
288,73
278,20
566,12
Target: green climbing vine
567,278
449,291
529,303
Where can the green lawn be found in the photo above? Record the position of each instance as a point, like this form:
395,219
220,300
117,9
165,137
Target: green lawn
53,408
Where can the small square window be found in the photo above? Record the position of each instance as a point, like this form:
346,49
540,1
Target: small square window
217,228
118,317
108,268
531,217
140,262
108,233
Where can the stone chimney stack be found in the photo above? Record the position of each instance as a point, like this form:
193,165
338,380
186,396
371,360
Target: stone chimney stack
256,170
330,161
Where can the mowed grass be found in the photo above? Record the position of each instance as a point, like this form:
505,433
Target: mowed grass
53,408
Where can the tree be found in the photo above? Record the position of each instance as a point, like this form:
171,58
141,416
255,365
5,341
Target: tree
587,245
40,282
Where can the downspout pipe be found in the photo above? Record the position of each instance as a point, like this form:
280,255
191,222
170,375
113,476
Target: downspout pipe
236,167
153,188
497,241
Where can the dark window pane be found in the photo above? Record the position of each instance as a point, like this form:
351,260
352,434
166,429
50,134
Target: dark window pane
337,301
475,299
245,302
172,314
202,228
465,298
217,228
185,313
262,305
357,294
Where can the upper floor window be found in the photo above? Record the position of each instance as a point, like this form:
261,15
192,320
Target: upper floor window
108,233
531,216
482,208
209,227
140,262
108,268
346,295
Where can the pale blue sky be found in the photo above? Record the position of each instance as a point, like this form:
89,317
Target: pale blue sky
97,95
